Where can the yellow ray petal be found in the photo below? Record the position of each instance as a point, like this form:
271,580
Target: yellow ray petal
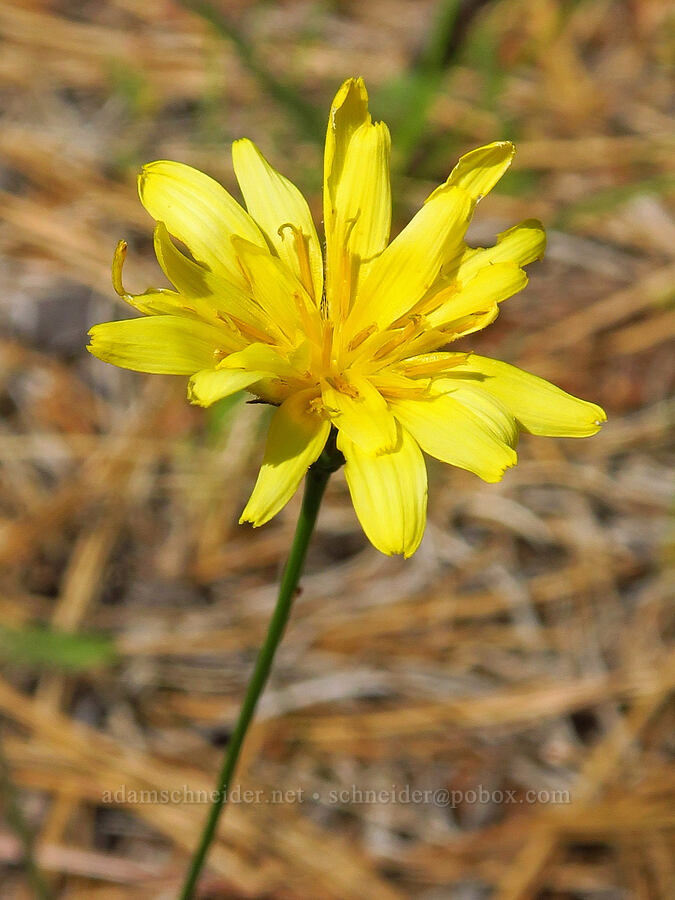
169,345
280,295
199,212
187,276
490,285
360,411
261,358
479,170
389,493
348,112
538,406
362,219
401,275
451,432
209,385
275,203
522,244
493,413
295,440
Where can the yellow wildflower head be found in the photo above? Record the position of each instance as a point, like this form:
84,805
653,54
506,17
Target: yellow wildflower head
356,339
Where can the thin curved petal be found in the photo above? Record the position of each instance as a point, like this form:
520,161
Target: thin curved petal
153,302
295,440
449,431
210,385
199,212
538,406
389,493
168,345
361,412
283,214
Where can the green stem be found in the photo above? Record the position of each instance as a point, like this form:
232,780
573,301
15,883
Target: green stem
315,485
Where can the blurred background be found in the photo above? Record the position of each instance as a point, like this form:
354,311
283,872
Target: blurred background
517,670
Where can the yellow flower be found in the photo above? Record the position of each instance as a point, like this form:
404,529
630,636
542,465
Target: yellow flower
359,344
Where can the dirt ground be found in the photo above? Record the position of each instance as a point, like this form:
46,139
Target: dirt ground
487,719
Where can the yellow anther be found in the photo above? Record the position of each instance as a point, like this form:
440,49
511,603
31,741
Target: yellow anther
433,363
326,345
359,338
316,407
401,338
340,383
310,323
301,247
430,304
250,331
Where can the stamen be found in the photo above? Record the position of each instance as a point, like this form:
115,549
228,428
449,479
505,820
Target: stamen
301,247
398,340
346,267
227,320
399,387
433,363
359,338
316,407
350,223
118,263
309,324
430,304
469,324
418,392
327,345
344,282
250,331
135,300
343,386
248,276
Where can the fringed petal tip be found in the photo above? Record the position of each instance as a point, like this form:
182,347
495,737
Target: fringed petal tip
245,519
389,493
498,475
295,440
